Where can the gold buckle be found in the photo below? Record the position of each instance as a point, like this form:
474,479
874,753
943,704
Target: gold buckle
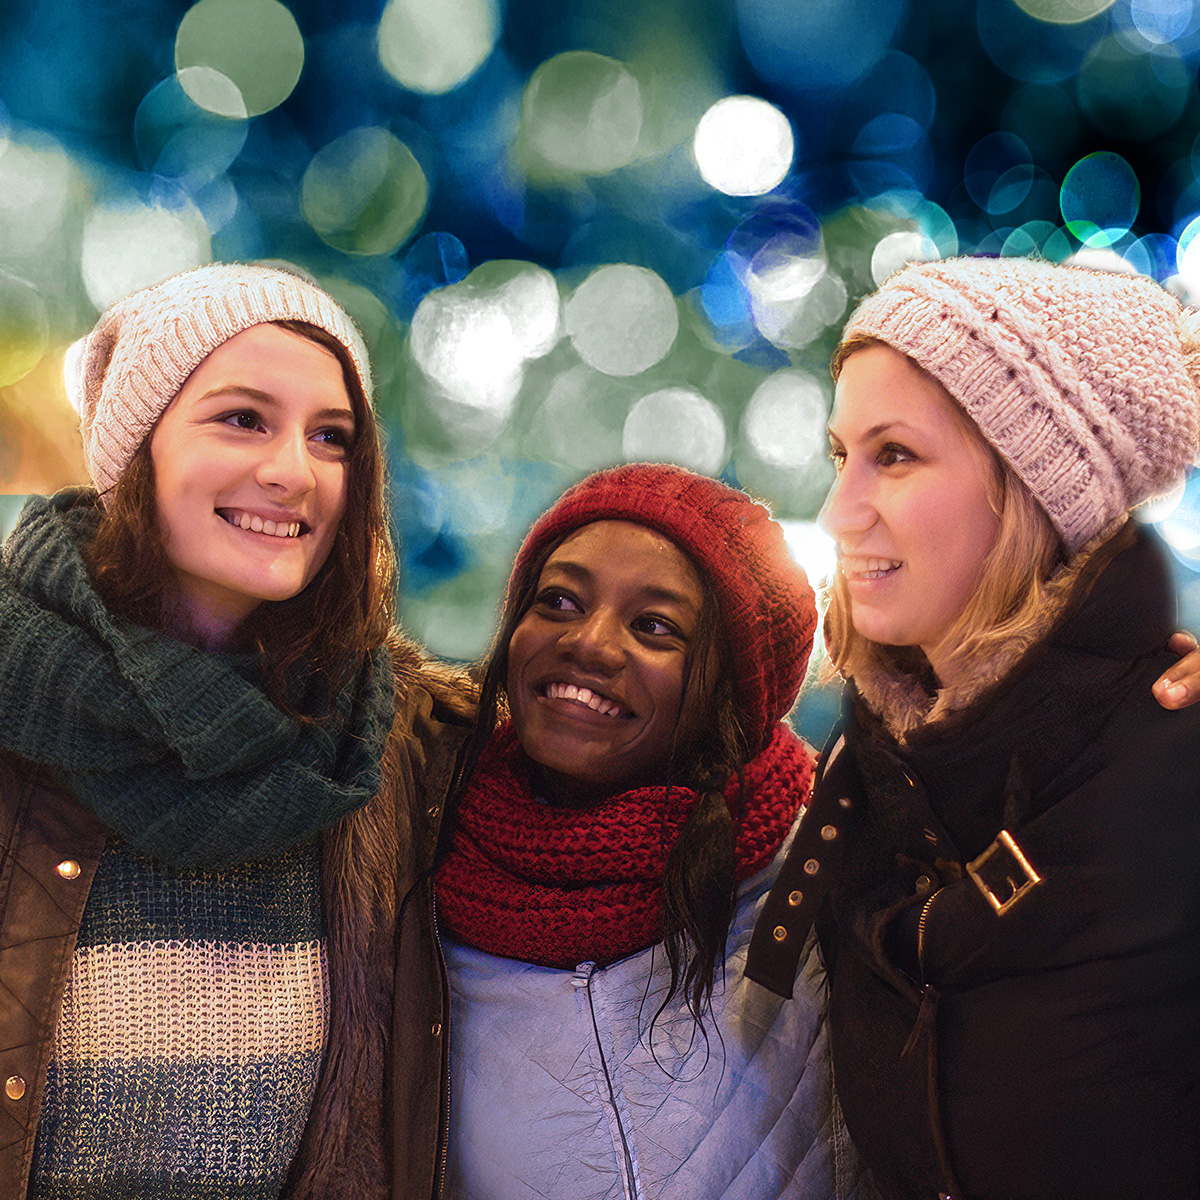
997,870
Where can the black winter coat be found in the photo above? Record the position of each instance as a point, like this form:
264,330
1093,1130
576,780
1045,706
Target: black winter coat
1050,1051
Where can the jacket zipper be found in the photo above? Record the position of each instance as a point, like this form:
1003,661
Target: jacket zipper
921,933
630,1188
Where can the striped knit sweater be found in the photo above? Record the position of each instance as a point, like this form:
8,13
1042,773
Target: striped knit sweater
197,1001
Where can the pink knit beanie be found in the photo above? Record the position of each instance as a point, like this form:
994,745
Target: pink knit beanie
1083,381
145,346
767,612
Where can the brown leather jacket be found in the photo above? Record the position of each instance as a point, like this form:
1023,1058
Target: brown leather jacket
378,1122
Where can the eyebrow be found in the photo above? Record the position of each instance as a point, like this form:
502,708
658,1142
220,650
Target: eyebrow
252,393
875,430
649,590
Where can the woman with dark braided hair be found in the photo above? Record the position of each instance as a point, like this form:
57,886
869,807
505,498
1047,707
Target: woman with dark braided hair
627,793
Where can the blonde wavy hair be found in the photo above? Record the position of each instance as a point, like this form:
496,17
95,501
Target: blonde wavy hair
1005,612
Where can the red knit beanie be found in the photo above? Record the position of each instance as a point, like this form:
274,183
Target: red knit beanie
766,609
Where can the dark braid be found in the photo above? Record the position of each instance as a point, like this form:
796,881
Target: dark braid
700,884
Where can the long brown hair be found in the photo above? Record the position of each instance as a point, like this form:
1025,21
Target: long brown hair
319,636
699,885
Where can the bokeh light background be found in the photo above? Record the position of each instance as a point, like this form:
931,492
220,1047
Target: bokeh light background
576,233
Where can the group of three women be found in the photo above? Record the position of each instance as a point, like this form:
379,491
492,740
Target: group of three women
286,908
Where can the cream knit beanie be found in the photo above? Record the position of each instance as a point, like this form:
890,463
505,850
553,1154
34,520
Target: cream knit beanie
145,346
1084,381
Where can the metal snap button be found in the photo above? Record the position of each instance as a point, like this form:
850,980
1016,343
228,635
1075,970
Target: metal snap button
14,1087
779,933
68,869
811,867
794,898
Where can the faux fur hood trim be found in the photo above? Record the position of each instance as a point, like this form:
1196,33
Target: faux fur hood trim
900,690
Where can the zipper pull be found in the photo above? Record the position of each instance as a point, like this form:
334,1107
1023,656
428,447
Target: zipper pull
921,933
926,1024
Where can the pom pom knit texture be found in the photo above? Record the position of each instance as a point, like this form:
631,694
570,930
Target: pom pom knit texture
144,347
1078,378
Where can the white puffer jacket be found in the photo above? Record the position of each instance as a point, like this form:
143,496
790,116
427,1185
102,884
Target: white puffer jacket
561,1085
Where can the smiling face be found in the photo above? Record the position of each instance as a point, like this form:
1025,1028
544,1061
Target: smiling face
250,474
596,666
911,508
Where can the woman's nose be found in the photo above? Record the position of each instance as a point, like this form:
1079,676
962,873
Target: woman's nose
287,463
848,507
595,641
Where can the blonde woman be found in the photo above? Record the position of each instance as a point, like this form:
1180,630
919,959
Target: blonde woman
1012,920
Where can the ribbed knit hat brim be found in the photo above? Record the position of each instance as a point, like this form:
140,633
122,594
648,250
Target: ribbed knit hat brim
145,346
766,608
1078,378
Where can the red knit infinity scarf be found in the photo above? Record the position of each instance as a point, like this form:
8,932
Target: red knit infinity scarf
559,886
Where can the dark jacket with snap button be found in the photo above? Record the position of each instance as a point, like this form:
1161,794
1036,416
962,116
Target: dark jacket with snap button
377,1127
1053,1048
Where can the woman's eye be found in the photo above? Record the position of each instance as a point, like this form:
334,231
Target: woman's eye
838,457
655,627
892,453
557,600
243,419
335,437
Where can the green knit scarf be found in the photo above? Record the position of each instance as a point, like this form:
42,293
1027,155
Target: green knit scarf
176,749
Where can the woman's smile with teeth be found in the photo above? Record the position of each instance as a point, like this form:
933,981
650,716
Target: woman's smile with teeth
584,696
245,520
869,568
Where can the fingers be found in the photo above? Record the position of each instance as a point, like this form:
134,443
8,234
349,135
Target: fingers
1182,642
1171,694
1179,685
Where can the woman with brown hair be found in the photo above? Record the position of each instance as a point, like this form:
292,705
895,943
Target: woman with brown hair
198,847
1013,933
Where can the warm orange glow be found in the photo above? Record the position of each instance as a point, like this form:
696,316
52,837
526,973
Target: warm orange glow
40,447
